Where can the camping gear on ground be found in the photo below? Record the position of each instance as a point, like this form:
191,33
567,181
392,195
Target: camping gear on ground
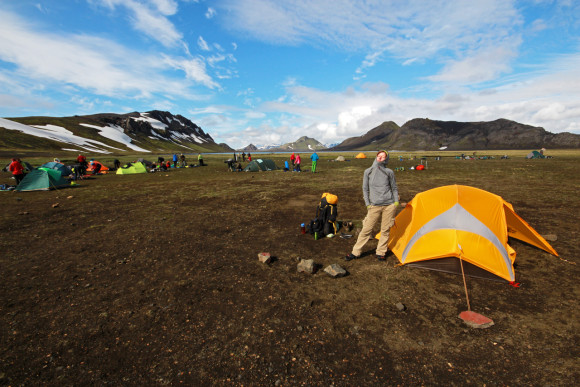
325,223
261,165
361,156
428,231
420,167
340,158
132,168
63,169
303,228
42,179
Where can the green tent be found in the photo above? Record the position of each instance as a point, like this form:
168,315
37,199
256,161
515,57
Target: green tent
42,179
261,165
535,155
63,169
132,168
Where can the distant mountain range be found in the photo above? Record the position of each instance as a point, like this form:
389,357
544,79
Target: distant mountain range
303,144
426,134
151,131
159,131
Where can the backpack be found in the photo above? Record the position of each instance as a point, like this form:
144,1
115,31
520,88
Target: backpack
326,212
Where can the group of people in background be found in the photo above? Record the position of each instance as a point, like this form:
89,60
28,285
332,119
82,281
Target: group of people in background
296,162
242,157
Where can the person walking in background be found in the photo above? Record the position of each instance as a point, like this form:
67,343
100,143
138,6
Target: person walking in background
175,160
244,157
297,162
381,197
200,160
249,157
182,160
17,170
292,159
314,157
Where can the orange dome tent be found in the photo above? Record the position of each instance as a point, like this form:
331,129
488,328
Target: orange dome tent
361,156
104,169
456,221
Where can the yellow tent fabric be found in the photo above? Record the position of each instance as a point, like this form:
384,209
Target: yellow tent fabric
361,156
132,168
462,222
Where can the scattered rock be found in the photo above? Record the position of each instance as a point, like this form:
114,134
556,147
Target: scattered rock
306,266
335,271
264,257
55,205
550,237
401,307
70,197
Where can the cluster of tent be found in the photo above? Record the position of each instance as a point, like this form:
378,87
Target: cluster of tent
54,175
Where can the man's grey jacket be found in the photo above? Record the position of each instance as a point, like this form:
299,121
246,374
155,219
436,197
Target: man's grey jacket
379,185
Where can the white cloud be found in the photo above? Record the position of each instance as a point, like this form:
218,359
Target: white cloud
45,59
483,65
211,12
150,18
194,69
442,29
202,44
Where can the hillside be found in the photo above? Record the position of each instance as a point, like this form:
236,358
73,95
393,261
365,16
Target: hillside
151,131
426,134
303,144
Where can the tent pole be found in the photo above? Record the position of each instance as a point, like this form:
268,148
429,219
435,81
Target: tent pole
464,283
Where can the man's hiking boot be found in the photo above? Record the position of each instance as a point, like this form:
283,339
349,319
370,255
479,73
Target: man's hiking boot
381,257
350,257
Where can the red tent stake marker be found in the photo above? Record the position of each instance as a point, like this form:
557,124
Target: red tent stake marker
472,319
475,320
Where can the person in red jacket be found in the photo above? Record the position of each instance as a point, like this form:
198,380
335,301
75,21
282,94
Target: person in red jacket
17,170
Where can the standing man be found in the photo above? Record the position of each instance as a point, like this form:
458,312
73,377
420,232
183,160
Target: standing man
314,158
175,160
382,199
17,170
82,161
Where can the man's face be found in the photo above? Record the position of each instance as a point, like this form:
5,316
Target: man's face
381,157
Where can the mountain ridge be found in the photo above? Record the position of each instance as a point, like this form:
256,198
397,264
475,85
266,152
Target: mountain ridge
426,134
151,131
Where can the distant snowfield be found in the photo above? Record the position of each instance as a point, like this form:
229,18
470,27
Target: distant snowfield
63,135
115,133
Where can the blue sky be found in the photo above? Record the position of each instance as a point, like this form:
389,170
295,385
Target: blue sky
270,71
